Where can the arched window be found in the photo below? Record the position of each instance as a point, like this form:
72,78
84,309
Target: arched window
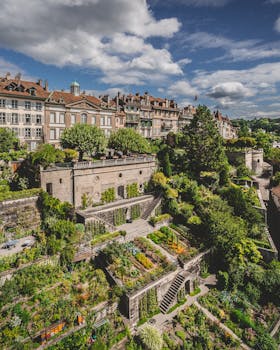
84,118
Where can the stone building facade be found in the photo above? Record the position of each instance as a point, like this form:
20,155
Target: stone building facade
71,182
252,159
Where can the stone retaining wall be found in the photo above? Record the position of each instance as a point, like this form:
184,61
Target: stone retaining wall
20,213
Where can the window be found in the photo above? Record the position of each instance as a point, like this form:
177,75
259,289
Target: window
38,106
83,118
93,120
52,134
38,119
73,118
27,105
3,118
14,118
15,130
102,121
3,103
109,121
27,132
38,132
61,118
52,118
14,104
27,118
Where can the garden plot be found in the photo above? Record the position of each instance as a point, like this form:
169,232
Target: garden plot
136,263
173,243
249,322
190,329
30,305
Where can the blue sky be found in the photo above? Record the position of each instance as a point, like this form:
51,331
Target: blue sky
226,52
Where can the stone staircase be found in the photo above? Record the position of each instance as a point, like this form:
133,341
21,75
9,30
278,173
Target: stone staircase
171,293
151,207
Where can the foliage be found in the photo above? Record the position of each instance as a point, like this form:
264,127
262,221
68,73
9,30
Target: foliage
46,154
12,195
203,144
273,158
8,140
119,216
105,237
148,305
159,180
70,154
95,228
53,207
135,211
132,190
166,166
84,138
108,195
145,261
86,200
151,338
128,140
161,218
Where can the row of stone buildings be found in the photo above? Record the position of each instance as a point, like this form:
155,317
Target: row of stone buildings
38,115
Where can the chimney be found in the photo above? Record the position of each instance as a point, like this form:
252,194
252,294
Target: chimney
40,82
117,101
17,78
8,76
46,85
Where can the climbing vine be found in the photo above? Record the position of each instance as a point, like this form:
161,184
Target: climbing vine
119,216
148,305
108,195
132,190
135,211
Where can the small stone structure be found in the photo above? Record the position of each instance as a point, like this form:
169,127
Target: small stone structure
252,158
69,182
20,213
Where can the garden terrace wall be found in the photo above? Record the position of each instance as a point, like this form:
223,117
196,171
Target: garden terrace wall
106,212
20,213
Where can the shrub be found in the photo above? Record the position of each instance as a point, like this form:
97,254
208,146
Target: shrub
242,318
10,195
132,190
135,211
119,216
108,195
156,219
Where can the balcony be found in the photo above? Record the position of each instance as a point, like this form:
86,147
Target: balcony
166,127
132,119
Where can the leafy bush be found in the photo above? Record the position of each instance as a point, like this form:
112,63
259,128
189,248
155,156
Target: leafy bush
11,195
132,190
108,195
135,211
156,219
119,216
242,318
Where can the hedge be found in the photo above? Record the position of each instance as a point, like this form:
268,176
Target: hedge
105,237
10,195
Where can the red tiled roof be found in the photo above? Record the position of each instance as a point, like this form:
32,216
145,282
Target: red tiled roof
68,98
26,85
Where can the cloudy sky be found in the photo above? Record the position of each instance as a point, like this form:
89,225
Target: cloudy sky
226,52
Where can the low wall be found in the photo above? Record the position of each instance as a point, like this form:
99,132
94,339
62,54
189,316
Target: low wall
20,214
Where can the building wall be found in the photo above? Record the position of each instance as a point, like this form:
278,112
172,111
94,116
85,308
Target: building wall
69,184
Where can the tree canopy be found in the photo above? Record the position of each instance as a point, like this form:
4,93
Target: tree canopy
84,138
203,144
8,140
47,154
128,140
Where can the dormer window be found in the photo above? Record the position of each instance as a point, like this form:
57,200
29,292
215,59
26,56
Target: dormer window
32,91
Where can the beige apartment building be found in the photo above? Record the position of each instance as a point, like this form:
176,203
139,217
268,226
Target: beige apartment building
65,109
22,108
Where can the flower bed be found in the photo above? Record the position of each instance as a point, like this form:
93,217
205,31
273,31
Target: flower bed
173,243
190,329
136,263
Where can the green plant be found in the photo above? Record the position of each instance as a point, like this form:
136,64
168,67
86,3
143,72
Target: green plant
132,190
10,195
119,216
135,211
108,195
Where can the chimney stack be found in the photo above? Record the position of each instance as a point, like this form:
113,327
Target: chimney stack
40,82
8,76
46,85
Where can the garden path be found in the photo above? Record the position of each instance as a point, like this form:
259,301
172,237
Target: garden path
221,325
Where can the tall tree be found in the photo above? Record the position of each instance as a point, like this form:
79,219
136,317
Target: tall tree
47,154
84,138
128,140
8,140
203,144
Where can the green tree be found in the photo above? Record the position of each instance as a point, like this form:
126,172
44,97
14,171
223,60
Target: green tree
203,144
128,140
84,138
8,140
46,155
166,166
151,338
